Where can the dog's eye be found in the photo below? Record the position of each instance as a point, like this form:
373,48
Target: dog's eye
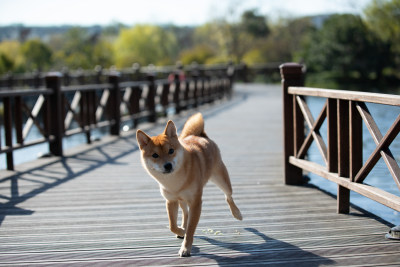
171,151
155,155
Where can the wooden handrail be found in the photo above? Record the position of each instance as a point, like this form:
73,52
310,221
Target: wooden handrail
386,99
111,100
345,112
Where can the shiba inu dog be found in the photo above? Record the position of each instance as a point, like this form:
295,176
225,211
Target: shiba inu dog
182,166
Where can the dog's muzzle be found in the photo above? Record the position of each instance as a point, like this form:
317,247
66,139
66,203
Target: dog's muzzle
167,167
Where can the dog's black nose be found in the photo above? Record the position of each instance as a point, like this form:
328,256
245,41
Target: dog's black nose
168,167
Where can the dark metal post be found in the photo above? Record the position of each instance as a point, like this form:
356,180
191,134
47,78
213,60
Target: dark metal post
292,75
115,102
56,129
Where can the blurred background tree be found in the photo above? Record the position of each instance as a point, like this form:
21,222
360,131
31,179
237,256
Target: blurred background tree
79,49
345,51
383,19
145,44
339,50
38,56
11,58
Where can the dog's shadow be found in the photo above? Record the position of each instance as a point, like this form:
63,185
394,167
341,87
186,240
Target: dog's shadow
269,252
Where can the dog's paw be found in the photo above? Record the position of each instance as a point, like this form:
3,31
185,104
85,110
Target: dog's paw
180,233
184,252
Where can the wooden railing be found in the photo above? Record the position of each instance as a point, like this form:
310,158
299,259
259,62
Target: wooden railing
345,113
60,107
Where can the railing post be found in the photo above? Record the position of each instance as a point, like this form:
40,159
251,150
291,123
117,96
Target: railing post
195,77
292,75
343,194
230,72
8,131
177,93
151,105
115,103
356,141
56,129
332,136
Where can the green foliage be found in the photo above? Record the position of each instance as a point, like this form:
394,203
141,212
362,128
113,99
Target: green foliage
213,35
283,43
6,64
345,47
383,18
200,54
232,40
144,44
254,24
79,49
11,58
38,55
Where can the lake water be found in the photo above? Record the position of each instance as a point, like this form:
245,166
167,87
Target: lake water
380,176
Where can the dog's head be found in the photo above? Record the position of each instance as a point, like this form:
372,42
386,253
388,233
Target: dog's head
161,153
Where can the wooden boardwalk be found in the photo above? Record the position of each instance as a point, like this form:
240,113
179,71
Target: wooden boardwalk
99,207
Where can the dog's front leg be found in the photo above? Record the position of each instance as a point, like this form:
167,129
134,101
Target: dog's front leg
172,209
185,212
194,217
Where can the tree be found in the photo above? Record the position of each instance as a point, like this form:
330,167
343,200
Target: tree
10,57
103,54
232,40
283,43
37,55
254,24
80,49
145,44
346,49
6,64
383,18
200,54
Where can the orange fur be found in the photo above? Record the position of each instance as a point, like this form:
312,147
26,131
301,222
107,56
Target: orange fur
182,166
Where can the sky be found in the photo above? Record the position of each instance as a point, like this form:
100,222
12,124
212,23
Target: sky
178,12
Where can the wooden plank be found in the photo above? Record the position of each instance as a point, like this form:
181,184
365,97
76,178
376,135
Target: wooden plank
382,148
314,133
98,206
33,116
356,141
386,99
332,133
374,193
343,193
291,76
298,131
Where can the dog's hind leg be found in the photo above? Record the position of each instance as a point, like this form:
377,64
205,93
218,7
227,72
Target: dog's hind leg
220,177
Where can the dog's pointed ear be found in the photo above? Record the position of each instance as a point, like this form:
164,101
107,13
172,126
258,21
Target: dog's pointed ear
170,129
142,138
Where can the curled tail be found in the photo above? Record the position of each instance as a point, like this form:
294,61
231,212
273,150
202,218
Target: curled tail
194,126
